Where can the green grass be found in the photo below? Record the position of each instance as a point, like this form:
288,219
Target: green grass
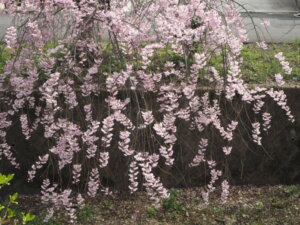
258,65
4,56
292,190
172,203
85,214
39,221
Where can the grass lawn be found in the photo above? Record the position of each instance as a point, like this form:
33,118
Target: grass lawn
261,65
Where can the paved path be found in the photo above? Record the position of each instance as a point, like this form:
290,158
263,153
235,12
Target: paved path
270,5
284,27
4,23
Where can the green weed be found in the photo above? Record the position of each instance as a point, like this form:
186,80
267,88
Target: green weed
8,212
172,203
85,214
108,203
151,211
292,190
259,204
39,220
4,56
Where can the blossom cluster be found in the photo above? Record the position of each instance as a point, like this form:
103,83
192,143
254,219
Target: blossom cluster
285,65
73,53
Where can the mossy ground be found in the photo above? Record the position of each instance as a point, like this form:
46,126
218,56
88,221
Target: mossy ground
267,205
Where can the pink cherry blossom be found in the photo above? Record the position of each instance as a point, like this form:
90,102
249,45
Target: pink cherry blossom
149,64
265,23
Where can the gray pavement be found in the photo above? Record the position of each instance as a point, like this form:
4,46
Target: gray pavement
284,27
270,5
5,22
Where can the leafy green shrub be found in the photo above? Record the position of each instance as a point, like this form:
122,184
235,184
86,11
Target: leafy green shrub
8,215
172,203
